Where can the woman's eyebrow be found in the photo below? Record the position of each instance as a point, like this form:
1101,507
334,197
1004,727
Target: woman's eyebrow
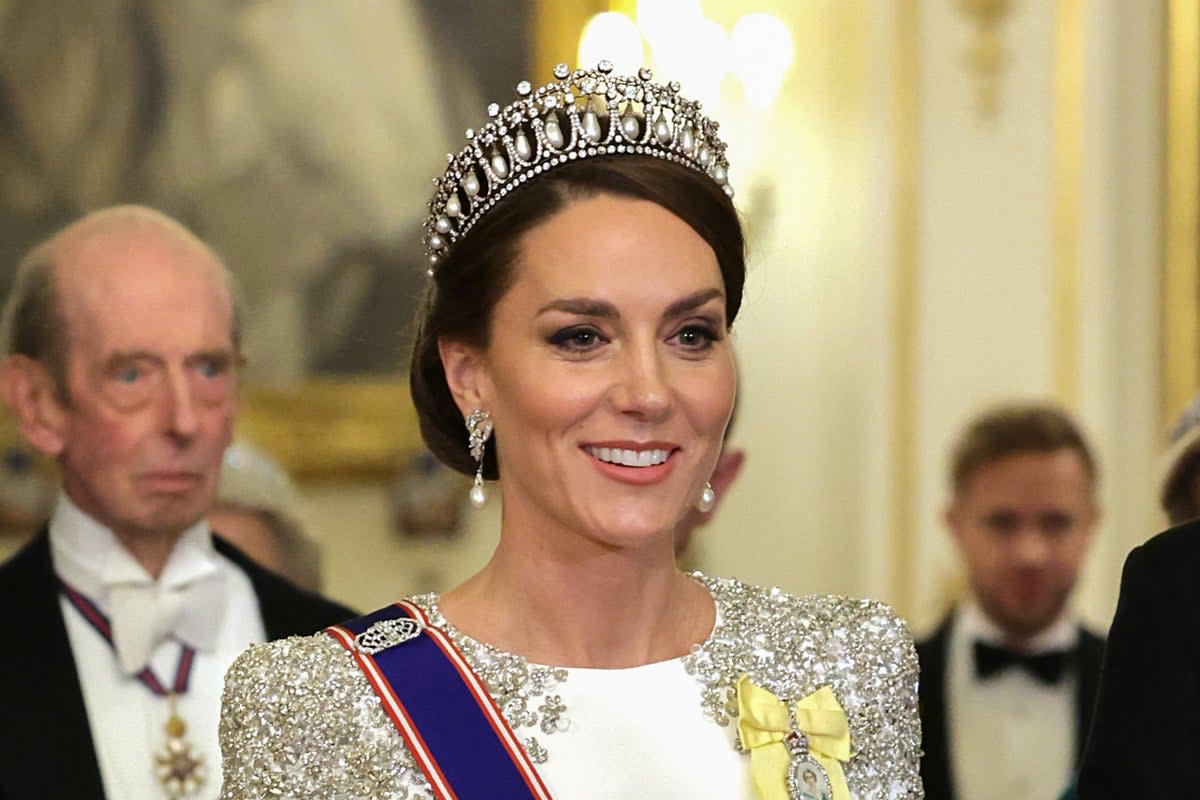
690,303
582,305
589,307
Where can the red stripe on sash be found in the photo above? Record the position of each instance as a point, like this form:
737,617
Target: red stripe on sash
399,715
485,700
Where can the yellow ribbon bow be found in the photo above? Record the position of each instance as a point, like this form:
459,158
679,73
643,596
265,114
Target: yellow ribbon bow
764,724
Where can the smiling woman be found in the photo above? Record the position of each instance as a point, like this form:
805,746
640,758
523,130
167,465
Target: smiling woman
599,359
586,268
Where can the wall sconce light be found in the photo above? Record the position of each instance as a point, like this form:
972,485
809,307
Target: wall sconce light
986,58
612,35
761,55
696,51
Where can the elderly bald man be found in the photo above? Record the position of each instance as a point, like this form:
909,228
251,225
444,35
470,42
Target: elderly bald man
121,352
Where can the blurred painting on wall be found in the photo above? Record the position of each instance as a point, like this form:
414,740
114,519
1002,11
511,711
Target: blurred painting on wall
298,138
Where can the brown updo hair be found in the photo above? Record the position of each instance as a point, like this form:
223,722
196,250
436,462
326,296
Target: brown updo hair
479,269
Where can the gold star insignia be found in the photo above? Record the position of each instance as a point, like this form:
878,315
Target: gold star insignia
179,770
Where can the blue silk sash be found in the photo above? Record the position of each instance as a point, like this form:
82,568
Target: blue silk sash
441,708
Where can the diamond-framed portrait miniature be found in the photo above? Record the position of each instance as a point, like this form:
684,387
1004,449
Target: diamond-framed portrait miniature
807,780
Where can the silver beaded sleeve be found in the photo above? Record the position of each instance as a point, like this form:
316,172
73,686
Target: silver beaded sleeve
299,720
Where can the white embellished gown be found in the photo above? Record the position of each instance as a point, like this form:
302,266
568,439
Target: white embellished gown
300,720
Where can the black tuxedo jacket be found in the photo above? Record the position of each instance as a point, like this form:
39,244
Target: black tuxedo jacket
46,746
1145,739
935,737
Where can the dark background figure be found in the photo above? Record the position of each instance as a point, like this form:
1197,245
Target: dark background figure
261,511
1179,492
1145,738
1007,680
1145,741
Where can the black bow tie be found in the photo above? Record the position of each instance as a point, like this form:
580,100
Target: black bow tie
1046,667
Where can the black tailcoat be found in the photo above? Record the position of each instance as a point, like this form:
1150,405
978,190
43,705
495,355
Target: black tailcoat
1145,739
935,736
45,742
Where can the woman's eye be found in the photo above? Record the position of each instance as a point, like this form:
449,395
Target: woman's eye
697,337
129,374
577,339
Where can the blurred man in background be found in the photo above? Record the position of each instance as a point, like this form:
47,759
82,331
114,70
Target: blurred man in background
1008,679
121,356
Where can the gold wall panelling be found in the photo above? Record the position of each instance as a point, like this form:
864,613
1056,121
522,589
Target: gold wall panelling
905,202
986,56
325,428
1181,258
1069,64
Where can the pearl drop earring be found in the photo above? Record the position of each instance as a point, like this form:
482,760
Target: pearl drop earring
479,430
708,499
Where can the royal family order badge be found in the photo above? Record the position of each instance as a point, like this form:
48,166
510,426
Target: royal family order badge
807,780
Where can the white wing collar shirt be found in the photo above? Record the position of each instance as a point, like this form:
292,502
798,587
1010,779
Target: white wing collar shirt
1011,735
201,599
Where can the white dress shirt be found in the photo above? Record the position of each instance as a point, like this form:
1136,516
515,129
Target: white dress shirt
1011,736
127,720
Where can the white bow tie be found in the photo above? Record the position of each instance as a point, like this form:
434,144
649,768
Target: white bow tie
144,614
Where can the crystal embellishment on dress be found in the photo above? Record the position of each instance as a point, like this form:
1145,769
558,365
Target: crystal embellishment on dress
581,114
792,646
387,633
537,753
553,711
291,703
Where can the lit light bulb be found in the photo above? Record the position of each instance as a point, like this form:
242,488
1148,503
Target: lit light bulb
659,18
710,62
694,51
613,36
761,53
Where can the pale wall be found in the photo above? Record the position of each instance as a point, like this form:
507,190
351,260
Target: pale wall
820,506
818,338
816,508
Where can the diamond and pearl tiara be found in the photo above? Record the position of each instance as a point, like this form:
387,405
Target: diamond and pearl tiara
562,122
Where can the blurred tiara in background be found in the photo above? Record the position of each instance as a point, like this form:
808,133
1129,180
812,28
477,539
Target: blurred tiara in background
582,114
